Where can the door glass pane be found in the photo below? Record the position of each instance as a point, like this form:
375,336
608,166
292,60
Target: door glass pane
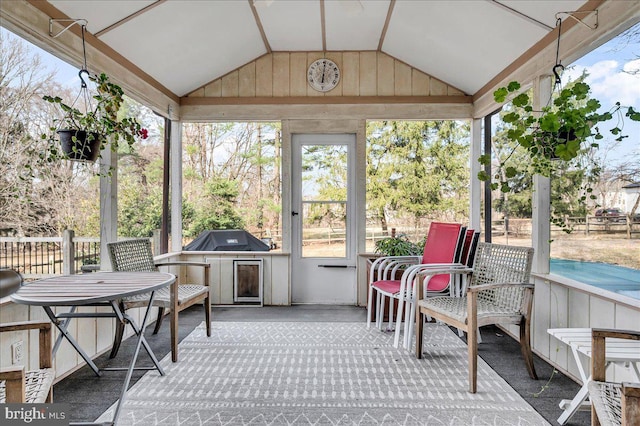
324,200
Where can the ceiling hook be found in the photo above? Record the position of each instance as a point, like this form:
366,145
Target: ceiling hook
573,13
81,22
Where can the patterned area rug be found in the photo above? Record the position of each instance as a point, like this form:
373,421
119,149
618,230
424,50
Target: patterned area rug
275,373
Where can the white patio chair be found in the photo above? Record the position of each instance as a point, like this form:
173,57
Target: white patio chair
613,404
17,384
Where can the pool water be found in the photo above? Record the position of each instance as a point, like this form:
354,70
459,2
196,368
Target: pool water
619,279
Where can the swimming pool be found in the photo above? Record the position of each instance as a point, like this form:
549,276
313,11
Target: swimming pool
619,279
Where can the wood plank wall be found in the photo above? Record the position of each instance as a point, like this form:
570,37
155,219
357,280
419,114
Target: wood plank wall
283,74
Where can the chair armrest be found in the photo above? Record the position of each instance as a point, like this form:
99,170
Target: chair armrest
428,270
184,263
44,337
12,373
174,286
393,260
439,268
389,261
25,325
630,403
399,257
619,334
15,388
482,287
385,267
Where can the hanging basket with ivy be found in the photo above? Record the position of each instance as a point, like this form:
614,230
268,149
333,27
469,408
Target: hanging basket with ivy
91,120
79,145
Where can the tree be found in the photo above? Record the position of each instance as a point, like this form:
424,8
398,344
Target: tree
34,200
417,170
216,209
245,153
324,177
40,197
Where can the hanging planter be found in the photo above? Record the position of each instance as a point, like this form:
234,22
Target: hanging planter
80,146
84,129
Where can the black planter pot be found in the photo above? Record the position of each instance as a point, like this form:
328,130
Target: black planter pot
552,139
567,135
85,147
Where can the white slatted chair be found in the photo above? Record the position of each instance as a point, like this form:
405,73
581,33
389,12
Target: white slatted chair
18,385
613,404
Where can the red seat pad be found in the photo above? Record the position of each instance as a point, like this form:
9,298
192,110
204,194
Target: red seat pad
436,283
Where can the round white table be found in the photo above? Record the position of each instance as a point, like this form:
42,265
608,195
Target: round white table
102,289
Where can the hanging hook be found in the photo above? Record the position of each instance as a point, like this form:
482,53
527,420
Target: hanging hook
558,67
83,83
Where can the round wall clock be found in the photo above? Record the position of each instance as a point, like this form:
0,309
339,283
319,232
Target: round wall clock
323,75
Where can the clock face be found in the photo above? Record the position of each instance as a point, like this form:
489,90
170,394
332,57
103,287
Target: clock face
323,75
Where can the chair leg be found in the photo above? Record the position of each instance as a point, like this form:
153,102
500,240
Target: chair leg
472,340
174,334
419,324
379,311
117,339
392,308
118,335
396,338
370,306
525,346
207,315
159,320
409,324
472,349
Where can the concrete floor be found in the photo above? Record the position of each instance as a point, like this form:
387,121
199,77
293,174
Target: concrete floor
89,396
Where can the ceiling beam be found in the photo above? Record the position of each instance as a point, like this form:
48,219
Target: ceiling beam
521,15
259,25
325,100
128,18
386,25
323,26
366,111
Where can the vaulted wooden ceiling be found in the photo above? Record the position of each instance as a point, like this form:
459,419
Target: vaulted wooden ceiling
186,44
179,46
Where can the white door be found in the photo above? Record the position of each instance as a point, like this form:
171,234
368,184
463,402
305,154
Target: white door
323,227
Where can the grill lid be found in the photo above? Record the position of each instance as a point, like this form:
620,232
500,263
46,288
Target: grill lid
226,240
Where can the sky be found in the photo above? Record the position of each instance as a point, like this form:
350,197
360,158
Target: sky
608,67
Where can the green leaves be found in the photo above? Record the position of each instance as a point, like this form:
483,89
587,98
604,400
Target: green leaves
521,100
633,114
501,94
550,122
510,172
104,118
484,159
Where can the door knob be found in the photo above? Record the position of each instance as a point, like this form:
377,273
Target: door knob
294,213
